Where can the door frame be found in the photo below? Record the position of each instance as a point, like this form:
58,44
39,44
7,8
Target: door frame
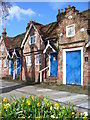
50,62
64,63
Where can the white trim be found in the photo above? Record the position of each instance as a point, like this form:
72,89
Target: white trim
88,44
34,40
48,45
49,65
64,63
28,33
72,35
39,59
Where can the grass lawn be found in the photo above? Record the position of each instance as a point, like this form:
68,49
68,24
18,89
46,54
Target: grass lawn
67,88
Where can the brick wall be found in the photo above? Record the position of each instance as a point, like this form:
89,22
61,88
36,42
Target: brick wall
78,40
31,73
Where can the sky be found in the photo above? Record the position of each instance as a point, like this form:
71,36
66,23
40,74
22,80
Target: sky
21,13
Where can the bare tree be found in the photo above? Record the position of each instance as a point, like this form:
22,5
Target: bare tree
4,11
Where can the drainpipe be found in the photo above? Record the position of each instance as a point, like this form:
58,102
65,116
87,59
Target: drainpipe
21,62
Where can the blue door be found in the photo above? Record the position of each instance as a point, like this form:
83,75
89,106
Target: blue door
11,66
18,66
53,64
73,67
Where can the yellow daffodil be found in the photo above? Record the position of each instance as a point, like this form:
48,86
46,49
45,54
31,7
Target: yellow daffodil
23,117
6,106
23,100
44,99
56,106
38,104
32,97
47,104
85,118
73,113
38,118
51,108
4,99
15,102
63,107
21,105
28,102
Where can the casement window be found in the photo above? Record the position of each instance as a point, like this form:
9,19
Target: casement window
28,60
38,59
70,30
5,62
32,39
0,63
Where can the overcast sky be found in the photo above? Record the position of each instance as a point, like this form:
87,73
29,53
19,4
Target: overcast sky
43,12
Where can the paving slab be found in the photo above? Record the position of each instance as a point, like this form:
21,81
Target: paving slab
80,101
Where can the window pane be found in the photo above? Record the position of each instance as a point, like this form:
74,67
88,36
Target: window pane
5,62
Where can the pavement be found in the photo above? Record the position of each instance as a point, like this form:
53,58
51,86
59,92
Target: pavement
81,102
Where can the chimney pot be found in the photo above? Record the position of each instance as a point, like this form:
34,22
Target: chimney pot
61,10
58,11
69,6
4,32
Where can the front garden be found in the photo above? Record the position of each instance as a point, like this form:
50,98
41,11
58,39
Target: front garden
37,108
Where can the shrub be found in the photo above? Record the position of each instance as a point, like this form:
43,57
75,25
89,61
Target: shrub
37,108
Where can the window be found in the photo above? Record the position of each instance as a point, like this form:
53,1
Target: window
38,59
0,63
2,48
32,39
70,30
5,62
28,60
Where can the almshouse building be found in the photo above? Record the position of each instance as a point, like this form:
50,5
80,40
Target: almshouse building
57,52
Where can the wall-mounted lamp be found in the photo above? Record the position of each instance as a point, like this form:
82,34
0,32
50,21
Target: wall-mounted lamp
61,34
82,30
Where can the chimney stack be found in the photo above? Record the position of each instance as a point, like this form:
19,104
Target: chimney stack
58,11
4,33
61,10
69,6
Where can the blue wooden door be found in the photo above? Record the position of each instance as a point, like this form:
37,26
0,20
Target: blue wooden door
53,64
18,66
11,66
73,67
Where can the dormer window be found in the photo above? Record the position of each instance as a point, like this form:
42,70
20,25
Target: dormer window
32,39
70,30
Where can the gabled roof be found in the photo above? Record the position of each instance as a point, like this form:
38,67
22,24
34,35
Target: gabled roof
14,42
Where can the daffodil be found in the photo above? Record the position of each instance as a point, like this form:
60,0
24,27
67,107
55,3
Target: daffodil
44,99
6,106
32,97
21,105
73,113
4,99
38,104
28,102
15,102
56,106
52,116
51,108
23,117
23,100
85,118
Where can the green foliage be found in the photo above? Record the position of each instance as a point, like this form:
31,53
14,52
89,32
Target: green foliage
38,108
